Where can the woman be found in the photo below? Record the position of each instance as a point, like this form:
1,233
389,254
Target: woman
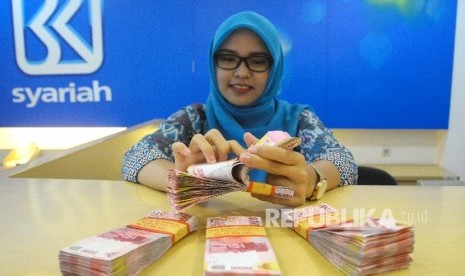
246,63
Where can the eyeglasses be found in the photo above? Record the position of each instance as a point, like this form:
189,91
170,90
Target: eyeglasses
253,63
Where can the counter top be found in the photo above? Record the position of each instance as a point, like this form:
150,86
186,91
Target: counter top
41,216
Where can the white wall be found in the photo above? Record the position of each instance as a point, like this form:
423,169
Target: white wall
394,146
454,150
52,137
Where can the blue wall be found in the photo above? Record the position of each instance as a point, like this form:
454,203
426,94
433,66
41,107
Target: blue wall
360,64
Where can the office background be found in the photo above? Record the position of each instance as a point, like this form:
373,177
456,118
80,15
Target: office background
378,72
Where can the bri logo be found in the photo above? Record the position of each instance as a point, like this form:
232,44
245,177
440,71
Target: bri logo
53,26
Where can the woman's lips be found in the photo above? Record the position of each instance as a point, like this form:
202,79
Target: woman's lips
240,88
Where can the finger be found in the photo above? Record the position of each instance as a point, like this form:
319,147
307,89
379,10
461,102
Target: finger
278,154
297,184
297,173
236,148
181,153
250,139
219,143
299,191
200,144
180,150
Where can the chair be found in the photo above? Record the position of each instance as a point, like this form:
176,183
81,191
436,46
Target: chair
374,176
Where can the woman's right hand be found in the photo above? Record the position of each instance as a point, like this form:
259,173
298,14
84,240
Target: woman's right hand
209,148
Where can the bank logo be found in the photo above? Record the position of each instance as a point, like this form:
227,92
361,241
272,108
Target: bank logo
51,21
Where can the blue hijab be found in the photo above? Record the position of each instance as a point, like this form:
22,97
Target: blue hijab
267,112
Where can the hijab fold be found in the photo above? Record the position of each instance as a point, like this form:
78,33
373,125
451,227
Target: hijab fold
267,112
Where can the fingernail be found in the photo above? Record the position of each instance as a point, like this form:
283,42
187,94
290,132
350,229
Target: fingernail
252,149
245,157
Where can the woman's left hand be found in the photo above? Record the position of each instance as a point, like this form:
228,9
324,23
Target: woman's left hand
285,168
210,147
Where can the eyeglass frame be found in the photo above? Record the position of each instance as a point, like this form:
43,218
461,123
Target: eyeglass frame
244,59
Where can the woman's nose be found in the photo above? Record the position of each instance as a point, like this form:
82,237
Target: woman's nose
242,71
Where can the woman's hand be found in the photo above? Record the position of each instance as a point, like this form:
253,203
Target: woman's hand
285,168
211,148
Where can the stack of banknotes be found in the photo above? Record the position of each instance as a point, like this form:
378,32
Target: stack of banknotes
127,250
363,247
237,245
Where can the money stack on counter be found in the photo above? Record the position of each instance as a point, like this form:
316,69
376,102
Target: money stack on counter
127,250
357,248
237,245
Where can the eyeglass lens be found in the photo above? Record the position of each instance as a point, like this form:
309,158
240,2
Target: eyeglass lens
254,63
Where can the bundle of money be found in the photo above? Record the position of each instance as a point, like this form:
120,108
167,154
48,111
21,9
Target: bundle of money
279,138
237,245
204,181
127,250
363,247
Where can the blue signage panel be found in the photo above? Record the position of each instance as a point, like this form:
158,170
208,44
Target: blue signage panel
360,64
390,63
94,63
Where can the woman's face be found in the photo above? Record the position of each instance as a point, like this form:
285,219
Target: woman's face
241,86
